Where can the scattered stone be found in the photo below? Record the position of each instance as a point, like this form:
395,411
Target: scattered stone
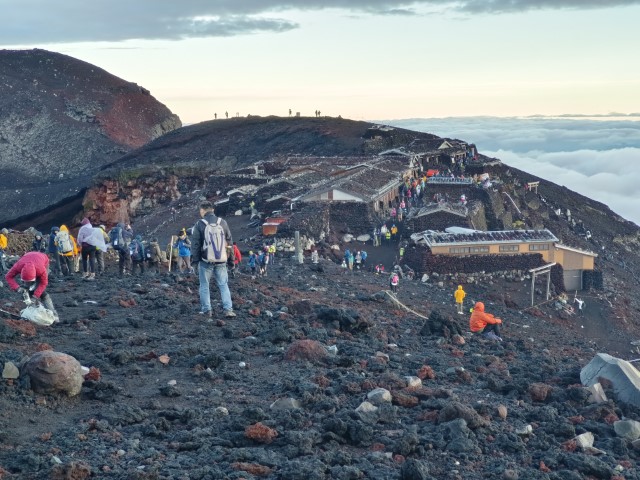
286,404
10,371
502,412
413,381
413,469
622,375
54,372
221,411
524,431
366,407
584,440
597,394
454,410
539,391
309,350
426,372
458,340
260,433
379,396
628,429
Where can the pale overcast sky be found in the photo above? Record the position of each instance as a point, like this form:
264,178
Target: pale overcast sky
355,58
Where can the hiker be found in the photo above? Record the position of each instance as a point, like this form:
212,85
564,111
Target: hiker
38,245
394,280
136,252
211,235
262,266
183,244
364,256
117,236
401,252
358,260
4,243
153,255
482,322
67,249
350,261
314,255
394,231
459,295
272,253
237,258
87,242
52,250
253,262
32,267
101,249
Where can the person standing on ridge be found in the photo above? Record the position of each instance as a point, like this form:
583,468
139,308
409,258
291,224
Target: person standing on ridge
211,235
459,295
482,322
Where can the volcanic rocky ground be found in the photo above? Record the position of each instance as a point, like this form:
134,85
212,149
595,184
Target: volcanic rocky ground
174,400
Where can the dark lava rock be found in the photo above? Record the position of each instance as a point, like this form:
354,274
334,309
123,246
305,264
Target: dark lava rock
414,469
441,325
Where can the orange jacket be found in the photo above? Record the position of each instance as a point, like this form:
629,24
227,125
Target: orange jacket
479,319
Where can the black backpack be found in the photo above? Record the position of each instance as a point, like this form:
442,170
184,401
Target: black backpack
136,250
116,239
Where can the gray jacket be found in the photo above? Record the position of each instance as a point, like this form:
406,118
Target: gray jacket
197,238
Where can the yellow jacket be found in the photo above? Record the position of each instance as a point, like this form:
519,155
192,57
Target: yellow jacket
460,294
3,241
76,250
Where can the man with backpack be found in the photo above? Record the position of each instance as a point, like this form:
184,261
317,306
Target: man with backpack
136,251
211,235
117,237
66,246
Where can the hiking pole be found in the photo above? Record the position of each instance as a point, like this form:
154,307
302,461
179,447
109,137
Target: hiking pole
170,252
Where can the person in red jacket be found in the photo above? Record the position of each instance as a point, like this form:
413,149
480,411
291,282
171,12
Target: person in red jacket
482,322
33,271
237,258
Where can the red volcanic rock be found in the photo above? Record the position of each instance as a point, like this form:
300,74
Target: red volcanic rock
539,391
260,433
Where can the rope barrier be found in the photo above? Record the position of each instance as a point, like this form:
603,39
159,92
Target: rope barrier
398,302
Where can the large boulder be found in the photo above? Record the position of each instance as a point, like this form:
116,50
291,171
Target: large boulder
54,372
623,376
61,120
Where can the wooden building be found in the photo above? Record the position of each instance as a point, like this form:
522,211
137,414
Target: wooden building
513,242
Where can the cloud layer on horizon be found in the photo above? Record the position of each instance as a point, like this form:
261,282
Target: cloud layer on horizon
597,158
30,22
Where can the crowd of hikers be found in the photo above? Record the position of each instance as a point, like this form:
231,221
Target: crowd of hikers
206,250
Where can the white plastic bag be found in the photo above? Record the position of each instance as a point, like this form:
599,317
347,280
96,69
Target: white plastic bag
38,315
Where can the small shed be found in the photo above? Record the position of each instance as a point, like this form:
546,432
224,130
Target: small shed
574,263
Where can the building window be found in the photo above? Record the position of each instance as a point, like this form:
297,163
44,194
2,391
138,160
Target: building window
536,247
458,249
479,249
509,248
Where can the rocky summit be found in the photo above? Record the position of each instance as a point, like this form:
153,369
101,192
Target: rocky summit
62,119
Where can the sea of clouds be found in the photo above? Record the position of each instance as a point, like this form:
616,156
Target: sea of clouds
597,157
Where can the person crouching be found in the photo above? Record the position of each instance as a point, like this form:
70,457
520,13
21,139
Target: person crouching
32,268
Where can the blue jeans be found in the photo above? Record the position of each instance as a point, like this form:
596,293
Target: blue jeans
219,270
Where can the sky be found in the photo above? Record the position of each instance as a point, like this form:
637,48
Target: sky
355,58
472,69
